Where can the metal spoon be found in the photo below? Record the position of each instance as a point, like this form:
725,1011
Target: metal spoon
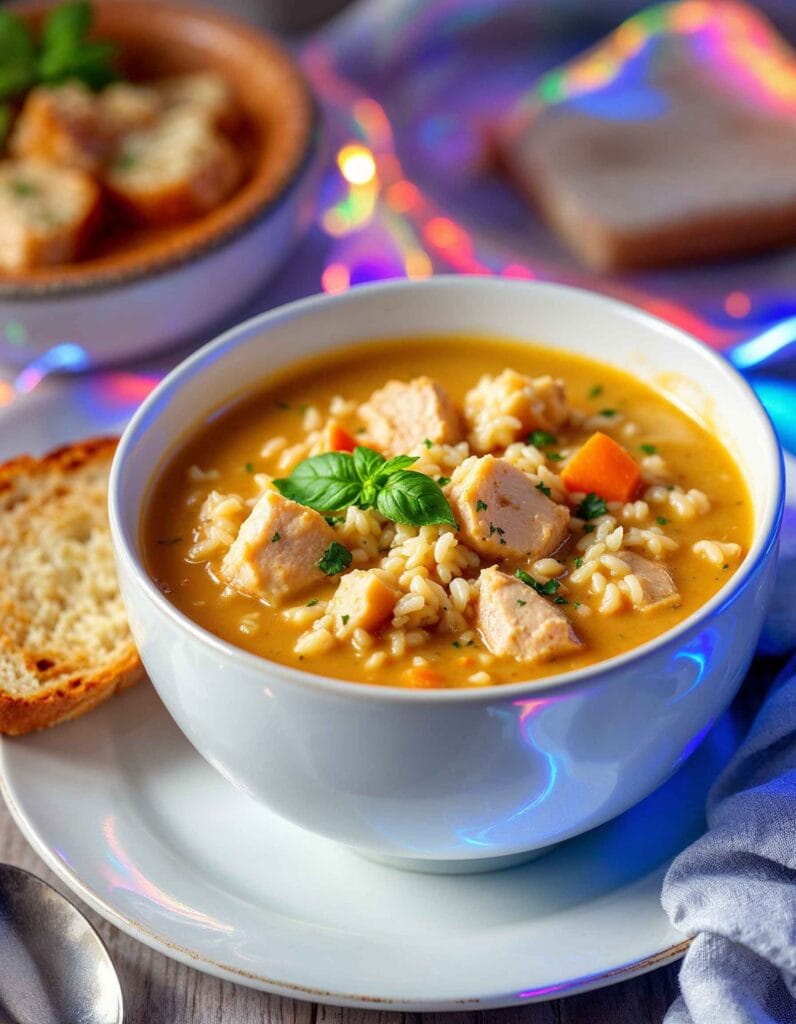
53,965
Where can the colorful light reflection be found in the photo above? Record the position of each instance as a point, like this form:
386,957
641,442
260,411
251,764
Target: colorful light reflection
354,60
356,164
734,42
121,873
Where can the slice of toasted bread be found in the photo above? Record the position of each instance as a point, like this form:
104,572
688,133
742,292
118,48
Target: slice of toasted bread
64,641
704,171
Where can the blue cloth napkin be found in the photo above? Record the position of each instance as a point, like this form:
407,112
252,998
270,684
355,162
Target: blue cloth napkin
734,890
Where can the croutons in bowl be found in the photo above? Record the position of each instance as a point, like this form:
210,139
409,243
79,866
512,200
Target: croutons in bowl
135,212
531,657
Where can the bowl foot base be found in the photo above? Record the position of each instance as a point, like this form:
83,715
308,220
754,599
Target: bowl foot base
453,866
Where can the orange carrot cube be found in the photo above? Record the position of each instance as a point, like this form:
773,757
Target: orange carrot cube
603,467
337,439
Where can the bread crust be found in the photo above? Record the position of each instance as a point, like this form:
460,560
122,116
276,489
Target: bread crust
74,695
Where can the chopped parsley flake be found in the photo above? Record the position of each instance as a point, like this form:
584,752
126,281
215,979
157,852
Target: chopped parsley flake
725,566
555,456
544,489
591,507
588,528
608,413
540,438
649,449
334,520
661,520
360,430
124,162
277,536
596,391
546,589
312,603
22,188
443,481
578,563
335,559
249,467
560,600
344,619
522,603
481,506
427,442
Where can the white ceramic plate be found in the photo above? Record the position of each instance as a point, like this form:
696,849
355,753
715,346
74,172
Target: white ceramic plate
123,809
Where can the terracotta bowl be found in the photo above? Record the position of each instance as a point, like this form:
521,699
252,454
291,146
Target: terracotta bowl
142,289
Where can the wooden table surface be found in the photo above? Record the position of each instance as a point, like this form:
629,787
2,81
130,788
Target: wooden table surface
161,991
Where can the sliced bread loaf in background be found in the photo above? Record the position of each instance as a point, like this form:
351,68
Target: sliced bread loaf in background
64,642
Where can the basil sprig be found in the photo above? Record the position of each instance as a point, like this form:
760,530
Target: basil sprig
67,52
336,480
62,52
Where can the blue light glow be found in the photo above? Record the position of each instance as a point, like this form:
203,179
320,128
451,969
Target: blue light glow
66,357
699,653
779,399
763,348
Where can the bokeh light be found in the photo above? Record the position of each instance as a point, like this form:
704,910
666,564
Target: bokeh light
738,304
335,278
356,164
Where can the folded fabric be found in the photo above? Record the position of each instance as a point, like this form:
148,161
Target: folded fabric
735,888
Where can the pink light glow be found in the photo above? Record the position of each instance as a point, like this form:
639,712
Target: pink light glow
336,278
738,304
517,270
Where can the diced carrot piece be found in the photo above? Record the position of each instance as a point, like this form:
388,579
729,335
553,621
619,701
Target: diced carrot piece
603,467
339,440
420,677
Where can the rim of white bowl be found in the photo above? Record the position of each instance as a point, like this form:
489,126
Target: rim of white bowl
765,537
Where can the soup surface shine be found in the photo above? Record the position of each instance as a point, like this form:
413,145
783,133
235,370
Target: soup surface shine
427,608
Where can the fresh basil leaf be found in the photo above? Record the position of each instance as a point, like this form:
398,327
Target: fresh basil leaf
413,499
67,53
5,120
326,482
367,462
92,65
398,462
66,25
17,55
335,559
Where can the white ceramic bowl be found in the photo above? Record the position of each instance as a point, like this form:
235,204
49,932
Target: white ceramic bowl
451,779
115,322
155,289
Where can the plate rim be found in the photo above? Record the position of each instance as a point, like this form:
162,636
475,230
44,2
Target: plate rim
295,990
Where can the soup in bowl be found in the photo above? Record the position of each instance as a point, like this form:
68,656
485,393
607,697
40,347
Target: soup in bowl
448,571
